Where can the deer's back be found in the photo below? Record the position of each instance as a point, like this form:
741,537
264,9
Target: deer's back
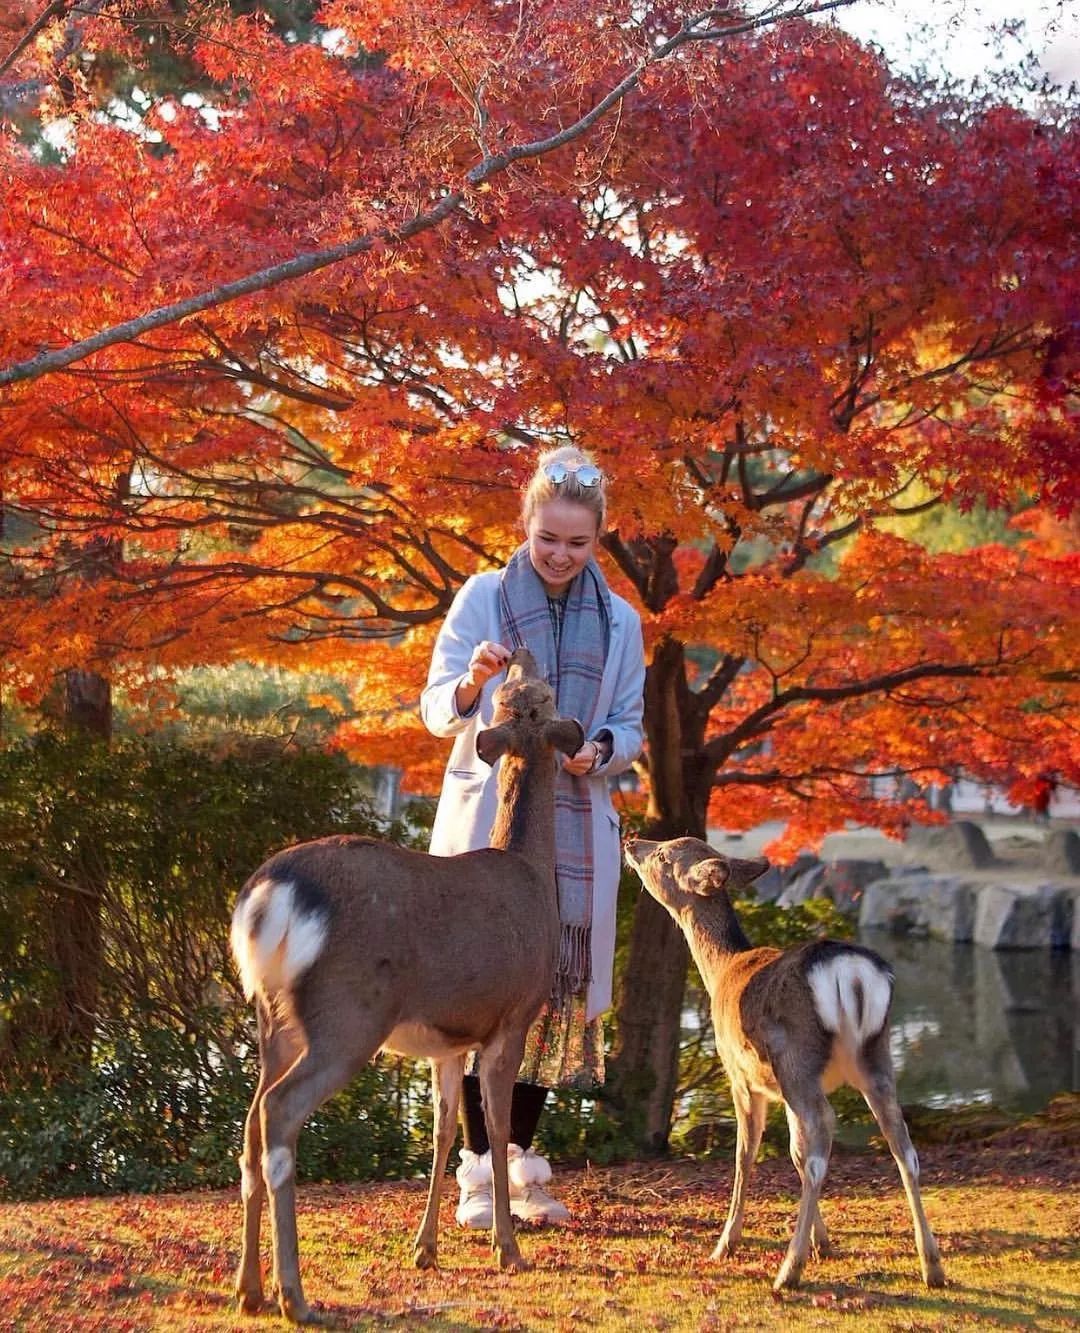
433,941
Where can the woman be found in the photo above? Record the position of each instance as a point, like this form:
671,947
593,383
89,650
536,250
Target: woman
552,598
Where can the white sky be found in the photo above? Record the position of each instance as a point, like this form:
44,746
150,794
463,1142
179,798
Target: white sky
957,34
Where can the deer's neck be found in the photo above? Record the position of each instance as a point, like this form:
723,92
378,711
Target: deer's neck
715,935
525,819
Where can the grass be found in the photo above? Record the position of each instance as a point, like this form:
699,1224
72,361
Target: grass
1006,1212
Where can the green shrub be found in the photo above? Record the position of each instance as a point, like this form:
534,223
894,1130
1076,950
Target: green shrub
161,1112
159,838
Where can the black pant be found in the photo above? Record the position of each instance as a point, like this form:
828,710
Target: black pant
525,1106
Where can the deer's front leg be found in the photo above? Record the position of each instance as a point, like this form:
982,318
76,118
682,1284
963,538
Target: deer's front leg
498,1069
750,1125
445,1093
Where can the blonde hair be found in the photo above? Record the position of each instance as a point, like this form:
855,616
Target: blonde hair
541,488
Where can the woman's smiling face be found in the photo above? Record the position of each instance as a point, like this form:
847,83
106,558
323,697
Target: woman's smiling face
562,537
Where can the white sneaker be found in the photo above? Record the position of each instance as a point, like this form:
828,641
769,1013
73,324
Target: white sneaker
528,1201
475,1207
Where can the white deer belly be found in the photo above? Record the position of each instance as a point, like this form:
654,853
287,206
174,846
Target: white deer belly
420,1041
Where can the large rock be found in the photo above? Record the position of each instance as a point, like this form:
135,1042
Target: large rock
959,845
1061,854
1024,916
843,881
769,887
939,906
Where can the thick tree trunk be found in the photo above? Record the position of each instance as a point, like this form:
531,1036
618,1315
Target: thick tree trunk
645,1060
644,1064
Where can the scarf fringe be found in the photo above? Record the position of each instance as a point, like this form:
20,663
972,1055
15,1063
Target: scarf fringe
574,969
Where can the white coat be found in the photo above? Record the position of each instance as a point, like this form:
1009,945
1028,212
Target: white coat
467,804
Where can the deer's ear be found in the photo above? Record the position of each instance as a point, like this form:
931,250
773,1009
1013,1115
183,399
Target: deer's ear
493,743
566,734
707,877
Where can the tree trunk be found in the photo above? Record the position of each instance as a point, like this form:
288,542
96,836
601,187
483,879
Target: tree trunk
88,704
76,944
644,1066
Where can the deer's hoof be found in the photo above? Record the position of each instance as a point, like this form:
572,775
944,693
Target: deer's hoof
297,1311
425,1256
934,1273
511,1259
249,1302
789,1276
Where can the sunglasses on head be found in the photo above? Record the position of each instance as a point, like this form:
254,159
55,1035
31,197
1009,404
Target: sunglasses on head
585,473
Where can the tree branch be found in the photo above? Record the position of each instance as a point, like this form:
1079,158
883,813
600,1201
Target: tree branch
761,719
491,165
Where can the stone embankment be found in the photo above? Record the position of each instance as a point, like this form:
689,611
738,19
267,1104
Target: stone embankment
949,882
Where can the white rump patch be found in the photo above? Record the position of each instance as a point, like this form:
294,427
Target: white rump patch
835,985
273,941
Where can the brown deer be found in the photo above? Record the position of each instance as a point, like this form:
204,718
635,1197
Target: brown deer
791,1025
348,945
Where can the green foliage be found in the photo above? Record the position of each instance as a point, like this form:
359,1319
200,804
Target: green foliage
781,927
379,1127
162,1111
944,527
577,1127
240,699
151,1113
164,836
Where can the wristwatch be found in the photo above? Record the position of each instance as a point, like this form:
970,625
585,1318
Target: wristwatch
602,746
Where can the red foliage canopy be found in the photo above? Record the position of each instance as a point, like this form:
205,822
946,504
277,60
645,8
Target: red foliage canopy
792,303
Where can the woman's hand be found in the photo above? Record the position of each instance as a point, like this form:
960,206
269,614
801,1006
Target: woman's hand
586,759
487,660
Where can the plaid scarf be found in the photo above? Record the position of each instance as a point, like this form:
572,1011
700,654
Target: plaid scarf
572,662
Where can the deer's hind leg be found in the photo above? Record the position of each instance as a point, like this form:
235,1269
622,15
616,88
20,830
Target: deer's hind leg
321,1069
811,1121
879,1090
276,1053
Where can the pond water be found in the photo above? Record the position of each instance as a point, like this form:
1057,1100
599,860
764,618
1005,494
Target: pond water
975,1025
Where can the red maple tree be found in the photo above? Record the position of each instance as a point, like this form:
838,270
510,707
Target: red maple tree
279,353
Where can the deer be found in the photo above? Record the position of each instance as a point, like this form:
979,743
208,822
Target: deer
349,945
791,1026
